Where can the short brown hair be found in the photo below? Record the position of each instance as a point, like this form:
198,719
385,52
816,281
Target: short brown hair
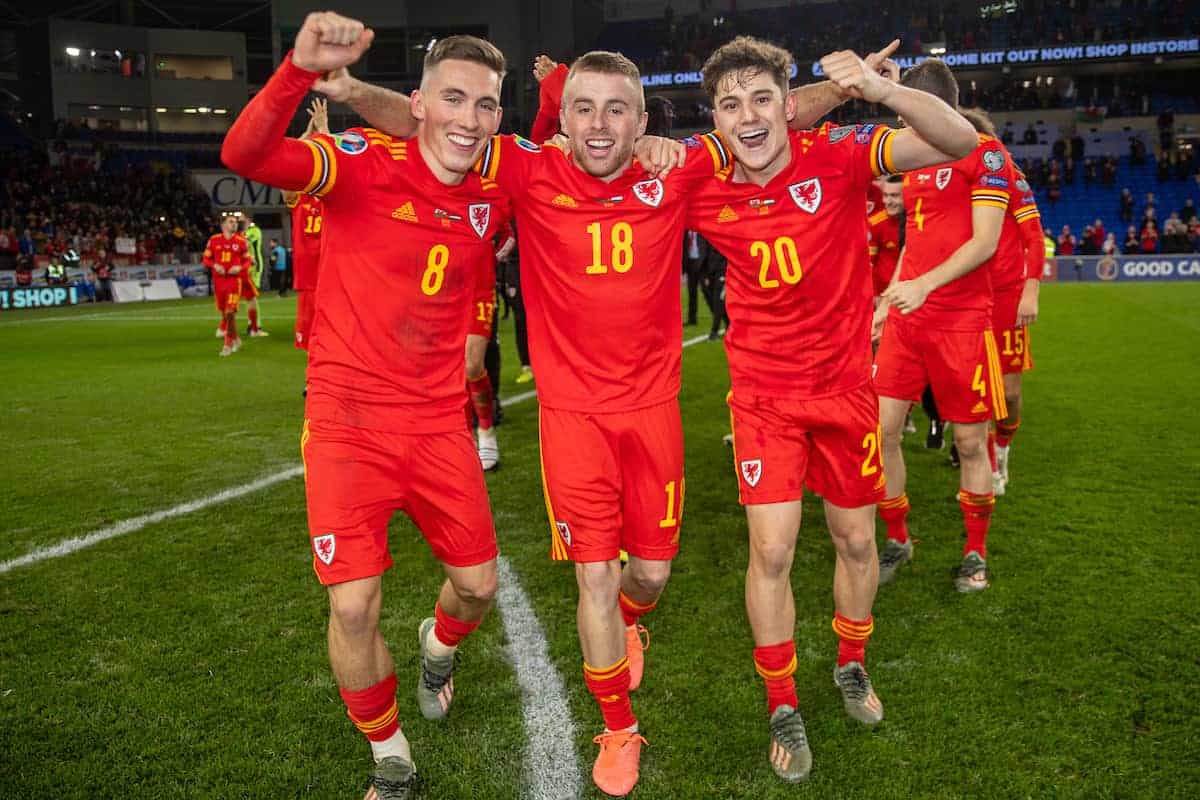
745,54
466,48
606,62
933,76
979,118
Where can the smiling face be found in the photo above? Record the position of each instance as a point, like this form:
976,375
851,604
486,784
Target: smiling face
603,114
457,108
751,112
893,197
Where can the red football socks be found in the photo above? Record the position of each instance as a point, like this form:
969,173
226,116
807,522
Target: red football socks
991,448
253,314
373,710
776,663
895,516
449,630
631,609
1005,431
610,687
852,638
480,389
977,516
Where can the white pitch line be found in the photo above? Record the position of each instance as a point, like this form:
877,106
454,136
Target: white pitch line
68,546
551,763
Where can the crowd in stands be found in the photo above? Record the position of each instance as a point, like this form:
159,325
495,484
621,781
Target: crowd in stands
55,201
1180,233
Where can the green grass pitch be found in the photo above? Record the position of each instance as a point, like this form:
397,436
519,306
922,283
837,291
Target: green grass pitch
187,659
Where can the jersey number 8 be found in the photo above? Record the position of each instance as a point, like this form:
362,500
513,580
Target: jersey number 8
435,269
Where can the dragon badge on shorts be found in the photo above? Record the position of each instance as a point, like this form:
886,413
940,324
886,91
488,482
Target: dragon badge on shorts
324,547
752,471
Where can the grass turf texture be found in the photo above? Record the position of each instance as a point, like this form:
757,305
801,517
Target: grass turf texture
187,659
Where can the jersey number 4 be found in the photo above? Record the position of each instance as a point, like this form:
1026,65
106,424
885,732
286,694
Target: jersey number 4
786,261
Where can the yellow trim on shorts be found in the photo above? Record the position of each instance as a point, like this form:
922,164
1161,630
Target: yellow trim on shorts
558,548
995,375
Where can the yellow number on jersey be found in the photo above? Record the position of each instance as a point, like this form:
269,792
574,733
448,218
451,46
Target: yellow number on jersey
786,257
1014,342
226,257
918,217
672,518
621,239
977,382
312,224
435,269
870,443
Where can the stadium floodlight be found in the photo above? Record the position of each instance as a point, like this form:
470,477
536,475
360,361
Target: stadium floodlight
203,109
117,53
73,52
220,111
161,110
189,111
937,51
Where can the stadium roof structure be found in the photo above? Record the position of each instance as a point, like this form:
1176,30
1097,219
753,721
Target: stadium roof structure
251,17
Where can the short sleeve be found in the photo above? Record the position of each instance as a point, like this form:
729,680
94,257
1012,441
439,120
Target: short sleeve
707,157
865,149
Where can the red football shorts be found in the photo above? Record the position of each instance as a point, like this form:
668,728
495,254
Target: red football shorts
483,311
613,482
355,479
226,294
249,290
962,368
304,317
1011,341
830,445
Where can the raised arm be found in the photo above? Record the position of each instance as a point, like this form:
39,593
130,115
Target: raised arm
388,110
936,133
817,100
551,78
986,222
256,146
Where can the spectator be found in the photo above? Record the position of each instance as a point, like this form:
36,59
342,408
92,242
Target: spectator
1126,205
1087,244
1053,188
1175,238
1188,212
1098,233
1133,244
1109,248
102,268
1150,237
1164,167
1089,172
1137,151
1110,171
1149,217
1066,242
1030,136
25,271
279,267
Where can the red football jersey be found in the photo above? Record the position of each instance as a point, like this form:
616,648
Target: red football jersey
884,232
798,283
224,254
600,267
938,202
1008,265
306,242
401,251
874,199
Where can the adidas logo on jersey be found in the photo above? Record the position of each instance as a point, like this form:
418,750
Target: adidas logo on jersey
979,408
564,201
406,213
727,215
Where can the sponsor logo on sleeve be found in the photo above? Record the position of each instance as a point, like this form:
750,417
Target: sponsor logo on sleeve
994,160
480,216
692,142
1023,185
350,143
942,179
806,194
752,471
996,181
324,547
649,192
863,135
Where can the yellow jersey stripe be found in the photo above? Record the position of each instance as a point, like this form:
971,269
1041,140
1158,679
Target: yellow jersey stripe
318,166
